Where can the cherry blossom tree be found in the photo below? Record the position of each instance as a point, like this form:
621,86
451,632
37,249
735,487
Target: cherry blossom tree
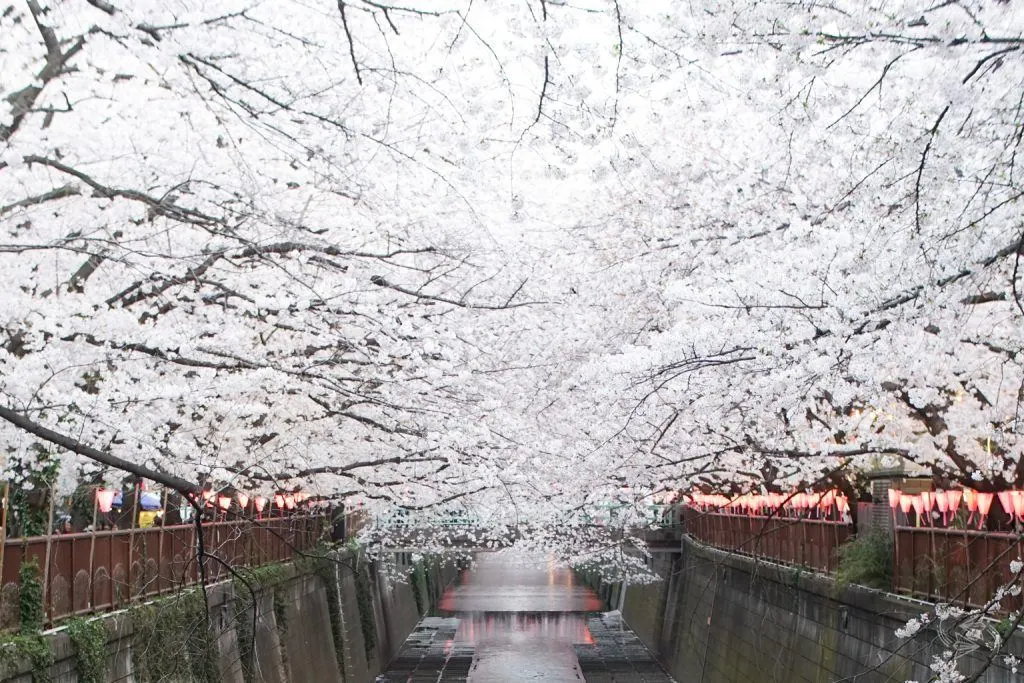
540,256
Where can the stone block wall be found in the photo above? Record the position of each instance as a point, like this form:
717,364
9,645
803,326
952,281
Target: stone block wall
295,625
720,618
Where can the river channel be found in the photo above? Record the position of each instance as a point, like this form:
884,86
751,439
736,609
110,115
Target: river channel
512,619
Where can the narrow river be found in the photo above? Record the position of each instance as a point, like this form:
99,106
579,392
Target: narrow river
518,620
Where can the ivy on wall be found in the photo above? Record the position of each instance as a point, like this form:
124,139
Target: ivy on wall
250,584
29,643
90,640
30,596
364,600
172,640
14,649
322,564
420,586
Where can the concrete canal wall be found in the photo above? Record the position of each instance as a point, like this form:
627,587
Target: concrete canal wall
722,618
329,620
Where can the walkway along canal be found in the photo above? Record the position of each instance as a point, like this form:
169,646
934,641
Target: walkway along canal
515,619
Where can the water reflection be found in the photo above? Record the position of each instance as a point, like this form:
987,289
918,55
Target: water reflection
498,583
522,618
562,628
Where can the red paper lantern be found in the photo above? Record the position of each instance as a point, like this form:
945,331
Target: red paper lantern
104,499
243,499
279,501
953,500
985,503
1006,501
260,502
918,503
224,502
906,502
894,498
1018,503
289,501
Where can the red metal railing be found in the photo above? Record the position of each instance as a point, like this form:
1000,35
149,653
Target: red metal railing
955,565
804,542
109,569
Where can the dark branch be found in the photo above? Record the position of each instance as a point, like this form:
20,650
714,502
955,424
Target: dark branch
351,44
46,434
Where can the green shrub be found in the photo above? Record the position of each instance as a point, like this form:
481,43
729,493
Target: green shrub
866,561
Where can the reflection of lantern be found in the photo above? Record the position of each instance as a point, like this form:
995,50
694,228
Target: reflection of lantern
279,500
243,499
224,502
105,499
260,502
289,501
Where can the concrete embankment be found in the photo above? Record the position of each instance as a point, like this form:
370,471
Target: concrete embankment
328,619
722,618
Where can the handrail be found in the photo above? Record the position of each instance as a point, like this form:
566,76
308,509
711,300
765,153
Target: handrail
89,572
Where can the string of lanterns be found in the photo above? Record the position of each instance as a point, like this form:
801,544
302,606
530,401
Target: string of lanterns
818,504
222,501
947,504
823,504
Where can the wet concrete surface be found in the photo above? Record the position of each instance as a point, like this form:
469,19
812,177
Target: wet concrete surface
522,620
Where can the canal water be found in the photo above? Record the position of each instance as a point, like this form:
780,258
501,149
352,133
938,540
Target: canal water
513,619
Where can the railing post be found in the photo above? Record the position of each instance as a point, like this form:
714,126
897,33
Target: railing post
131,541
160,543
46,560
803,540
92,550
3,531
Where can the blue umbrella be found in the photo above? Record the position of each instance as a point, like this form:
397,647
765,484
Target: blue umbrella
149,500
